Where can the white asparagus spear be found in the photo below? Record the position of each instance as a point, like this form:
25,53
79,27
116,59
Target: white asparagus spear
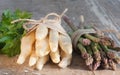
65,43
26,47
41,32
42,47
41,61
55,56
33,57
65,59
53,40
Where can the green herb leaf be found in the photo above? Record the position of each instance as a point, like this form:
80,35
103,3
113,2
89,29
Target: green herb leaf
10,34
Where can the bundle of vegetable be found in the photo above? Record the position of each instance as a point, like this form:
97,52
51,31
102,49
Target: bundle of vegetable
45,37
10,34
94,47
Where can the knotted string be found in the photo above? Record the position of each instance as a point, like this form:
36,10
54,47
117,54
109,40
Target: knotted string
77,34
54,24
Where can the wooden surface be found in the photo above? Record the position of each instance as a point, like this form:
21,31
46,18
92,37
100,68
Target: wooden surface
104,13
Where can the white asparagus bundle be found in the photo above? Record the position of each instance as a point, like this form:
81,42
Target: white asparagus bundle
46,38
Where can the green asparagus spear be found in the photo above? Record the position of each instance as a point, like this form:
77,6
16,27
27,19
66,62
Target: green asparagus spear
112,65
83,51
107,41
84,41
114,48
117,60
109,54
104,59
94,39
70,23
113,59
97,56
89,61
89,50
95,51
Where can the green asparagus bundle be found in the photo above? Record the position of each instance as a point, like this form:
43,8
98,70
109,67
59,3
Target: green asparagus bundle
94,47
